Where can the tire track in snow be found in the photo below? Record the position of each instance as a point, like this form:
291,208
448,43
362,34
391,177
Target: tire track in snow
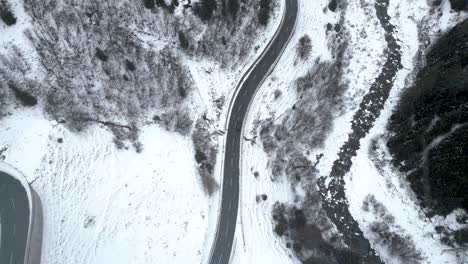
333,195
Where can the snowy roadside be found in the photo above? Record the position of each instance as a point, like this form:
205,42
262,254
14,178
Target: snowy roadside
382,181
217,84
255,238
105,205
255,241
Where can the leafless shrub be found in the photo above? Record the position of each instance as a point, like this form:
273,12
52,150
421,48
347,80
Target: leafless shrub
98,68
385,233
178,121
277,94
205,154
6,14
304,47
399,246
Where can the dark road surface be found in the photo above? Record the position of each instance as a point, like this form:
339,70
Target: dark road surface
14,217
222,247
363,120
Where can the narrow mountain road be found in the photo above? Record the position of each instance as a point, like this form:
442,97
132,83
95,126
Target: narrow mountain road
221,251
14,218
363,120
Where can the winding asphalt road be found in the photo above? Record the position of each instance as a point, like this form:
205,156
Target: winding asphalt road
224,237
14,217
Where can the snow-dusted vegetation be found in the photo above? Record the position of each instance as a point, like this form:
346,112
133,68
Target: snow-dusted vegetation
120,63
295,134
115,112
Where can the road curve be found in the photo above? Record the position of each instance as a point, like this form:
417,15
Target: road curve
14,217
21,219
221,251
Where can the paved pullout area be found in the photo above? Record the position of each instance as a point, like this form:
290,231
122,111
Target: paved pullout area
230,190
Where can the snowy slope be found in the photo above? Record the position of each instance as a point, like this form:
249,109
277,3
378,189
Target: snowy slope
382,180
255,240
103,205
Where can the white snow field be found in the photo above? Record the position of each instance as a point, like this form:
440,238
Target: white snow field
104,205
255,239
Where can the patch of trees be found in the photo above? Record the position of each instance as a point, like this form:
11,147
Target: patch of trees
304,47
205,146
231,28
233,7
98,69
6,14
25,98
264,12
150,4
333,5
429,128
184,43
459,5
309,234
288,141
390,235
177,120
453,238
204,9
307,124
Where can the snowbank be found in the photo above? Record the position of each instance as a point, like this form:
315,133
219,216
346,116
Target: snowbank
255,241
103,205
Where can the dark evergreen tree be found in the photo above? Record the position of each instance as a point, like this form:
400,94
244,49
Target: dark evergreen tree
204,9
264,12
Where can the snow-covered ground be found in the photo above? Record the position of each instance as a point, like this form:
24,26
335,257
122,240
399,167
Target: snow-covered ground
255,239
103,205
385,183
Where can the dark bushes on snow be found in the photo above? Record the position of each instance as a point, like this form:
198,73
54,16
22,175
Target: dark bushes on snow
461,236
304,47
25,98
399,246
233,7
6,14
333,5
459,5
150,4
204,9
205,154
178,121
130,65
390,235
101,55
184,43
264,12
